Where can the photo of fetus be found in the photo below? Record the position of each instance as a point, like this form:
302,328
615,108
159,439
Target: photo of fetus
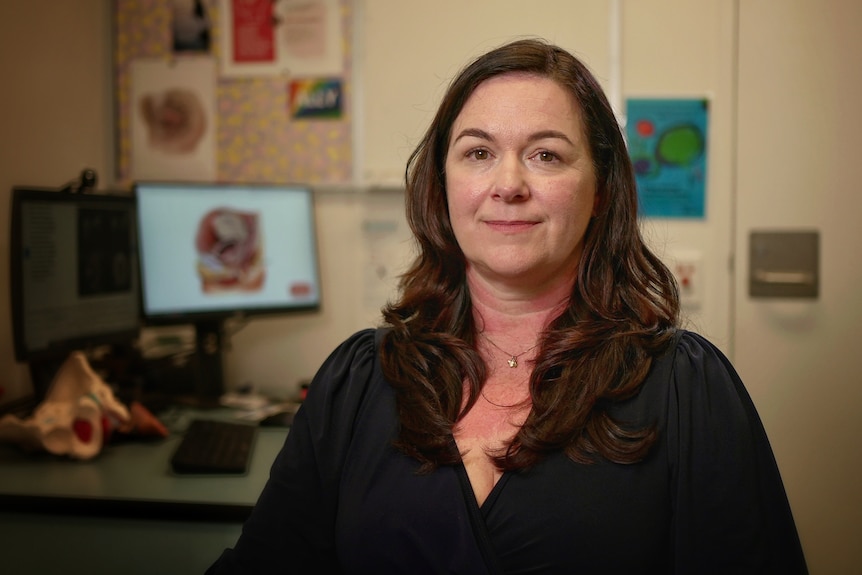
174,119
230,251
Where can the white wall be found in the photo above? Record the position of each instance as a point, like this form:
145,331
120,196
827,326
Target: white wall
55,117
800,85
794,146
661,38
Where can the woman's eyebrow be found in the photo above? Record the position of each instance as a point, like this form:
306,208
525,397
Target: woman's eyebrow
553,134
475,133
541,135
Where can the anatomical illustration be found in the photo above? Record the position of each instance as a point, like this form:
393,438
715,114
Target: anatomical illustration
230,251
174,119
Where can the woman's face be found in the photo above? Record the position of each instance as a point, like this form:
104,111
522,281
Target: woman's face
520,183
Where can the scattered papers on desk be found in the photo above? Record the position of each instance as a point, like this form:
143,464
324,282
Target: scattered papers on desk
249,401
253,407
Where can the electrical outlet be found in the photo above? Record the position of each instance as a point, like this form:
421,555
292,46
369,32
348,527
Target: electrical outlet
687,268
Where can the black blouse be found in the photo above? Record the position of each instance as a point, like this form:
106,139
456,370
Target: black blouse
708,499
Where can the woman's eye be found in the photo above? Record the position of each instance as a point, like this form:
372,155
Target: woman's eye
546,156
478,154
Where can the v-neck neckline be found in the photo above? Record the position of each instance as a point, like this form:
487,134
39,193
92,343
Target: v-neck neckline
470,495
478,515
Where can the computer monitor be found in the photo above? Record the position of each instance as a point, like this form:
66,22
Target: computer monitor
73,276
214,251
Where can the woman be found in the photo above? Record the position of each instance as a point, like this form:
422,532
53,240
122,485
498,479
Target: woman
531,405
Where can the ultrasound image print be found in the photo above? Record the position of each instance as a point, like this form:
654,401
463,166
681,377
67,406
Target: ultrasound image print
104,252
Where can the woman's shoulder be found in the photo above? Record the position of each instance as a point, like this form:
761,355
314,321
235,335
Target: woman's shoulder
690,352
694,380
691,372
354,359
697,361
349,370
348,377
357,345
712,438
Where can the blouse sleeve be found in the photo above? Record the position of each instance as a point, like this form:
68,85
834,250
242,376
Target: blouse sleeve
731,513
292,526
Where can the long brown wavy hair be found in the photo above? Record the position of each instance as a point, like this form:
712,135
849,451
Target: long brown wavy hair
622,311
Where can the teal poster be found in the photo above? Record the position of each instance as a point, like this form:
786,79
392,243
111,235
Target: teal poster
667,144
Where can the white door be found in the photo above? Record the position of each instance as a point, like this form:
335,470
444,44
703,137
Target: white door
799,166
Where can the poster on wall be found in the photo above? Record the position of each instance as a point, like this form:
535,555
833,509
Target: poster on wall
173,126
191,26
667,141
281,37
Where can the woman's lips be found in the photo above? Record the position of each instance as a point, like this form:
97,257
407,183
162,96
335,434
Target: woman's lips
510,226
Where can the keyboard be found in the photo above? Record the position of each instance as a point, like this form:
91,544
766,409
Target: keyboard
215,447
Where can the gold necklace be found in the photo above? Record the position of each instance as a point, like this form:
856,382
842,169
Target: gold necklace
513,357
521,403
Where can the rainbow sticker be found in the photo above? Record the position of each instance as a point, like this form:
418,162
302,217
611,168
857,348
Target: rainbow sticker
315,99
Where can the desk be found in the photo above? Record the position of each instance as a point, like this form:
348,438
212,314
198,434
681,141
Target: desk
124,511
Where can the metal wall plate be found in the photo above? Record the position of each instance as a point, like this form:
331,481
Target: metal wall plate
784,264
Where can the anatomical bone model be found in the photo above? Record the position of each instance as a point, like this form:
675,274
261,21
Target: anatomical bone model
75,419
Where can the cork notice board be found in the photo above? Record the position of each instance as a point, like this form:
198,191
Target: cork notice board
254,125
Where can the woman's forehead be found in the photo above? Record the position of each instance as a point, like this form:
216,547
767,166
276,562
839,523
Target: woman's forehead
533,101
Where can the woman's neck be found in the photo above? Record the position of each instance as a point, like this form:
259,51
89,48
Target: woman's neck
499,308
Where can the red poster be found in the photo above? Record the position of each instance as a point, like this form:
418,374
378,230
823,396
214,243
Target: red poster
253,32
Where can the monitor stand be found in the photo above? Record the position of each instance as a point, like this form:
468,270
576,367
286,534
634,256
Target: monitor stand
209,372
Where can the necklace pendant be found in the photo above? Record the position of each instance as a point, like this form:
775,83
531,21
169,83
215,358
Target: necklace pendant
513,361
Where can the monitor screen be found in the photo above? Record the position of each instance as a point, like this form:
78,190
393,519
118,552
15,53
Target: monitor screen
73,272
211,251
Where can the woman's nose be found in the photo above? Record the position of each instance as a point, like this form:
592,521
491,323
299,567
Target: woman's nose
510,183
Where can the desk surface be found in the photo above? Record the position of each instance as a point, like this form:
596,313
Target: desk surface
134,479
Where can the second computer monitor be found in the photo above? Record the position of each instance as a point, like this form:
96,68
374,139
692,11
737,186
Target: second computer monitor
209,252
